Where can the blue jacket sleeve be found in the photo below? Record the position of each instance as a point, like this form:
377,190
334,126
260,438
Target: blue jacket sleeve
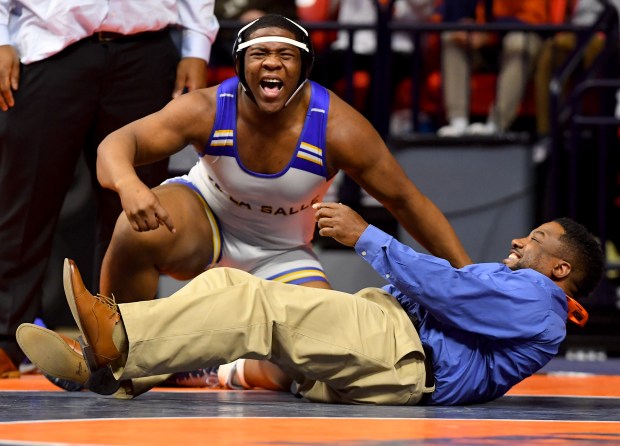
488,299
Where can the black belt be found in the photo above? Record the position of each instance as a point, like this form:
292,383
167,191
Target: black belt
428,365
108,36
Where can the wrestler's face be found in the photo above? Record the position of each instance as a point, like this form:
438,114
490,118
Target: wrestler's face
540,250
272,69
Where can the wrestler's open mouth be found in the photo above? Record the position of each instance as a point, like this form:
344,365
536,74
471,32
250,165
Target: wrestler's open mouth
272,86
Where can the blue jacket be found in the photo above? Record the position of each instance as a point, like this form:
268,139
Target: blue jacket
488,327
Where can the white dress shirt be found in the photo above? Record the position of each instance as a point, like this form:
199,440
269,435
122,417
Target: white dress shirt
42,28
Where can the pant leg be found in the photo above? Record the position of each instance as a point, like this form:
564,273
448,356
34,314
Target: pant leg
41,138
455,74
542,78
519,53
339,347
138,80
554,53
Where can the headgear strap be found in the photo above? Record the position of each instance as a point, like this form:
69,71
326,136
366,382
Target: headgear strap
279,39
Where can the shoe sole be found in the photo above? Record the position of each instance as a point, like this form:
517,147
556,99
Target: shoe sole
49,352
66,283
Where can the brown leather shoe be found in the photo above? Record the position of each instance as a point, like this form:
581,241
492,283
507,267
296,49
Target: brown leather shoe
96,317
72,343
7,368
61,361
56,355
66,384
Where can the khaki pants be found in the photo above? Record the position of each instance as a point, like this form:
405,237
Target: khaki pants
518,57
339,348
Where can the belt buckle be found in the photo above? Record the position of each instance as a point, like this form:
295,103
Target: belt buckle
103,36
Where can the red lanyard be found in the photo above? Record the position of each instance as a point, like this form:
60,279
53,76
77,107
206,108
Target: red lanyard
576,313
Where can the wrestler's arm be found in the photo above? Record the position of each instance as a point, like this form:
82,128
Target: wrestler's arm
354,146
185,120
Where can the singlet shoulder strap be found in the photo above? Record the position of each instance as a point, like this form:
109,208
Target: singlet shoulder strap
311,150
222,140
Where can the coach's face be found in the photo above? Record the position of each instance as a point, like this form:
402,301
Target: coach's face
540,250
272,69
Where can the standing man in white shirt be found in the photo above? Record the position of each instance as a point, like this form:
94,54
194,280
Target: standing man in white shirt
70,73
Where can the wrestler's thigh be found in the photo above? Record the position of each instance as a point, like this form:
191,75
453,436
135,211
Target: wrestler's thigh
190,250
183,254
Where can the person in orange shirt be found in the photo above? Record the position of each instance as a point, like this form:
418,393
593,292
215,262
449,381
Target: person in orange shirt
464,51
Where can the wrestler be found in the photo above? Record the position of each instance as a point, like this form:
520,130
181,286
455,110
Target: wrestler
269,144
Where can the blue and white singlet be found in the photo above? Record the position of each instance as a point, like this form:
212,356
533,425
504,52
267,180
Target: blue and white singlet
266,221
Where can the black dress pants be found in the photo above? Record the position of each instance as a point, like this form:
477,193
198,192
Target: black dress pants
65,106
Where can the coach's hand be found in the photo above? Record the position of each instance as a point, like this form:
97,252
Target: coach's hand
9,76
191,75
340,222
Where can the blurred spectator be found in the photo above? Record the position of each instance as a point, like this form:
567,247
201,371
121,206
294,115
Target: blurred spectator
331,65
554,53
463,52
243,11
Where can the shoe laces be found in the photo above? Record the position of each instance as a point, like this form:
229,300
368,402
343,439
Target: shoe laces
109,302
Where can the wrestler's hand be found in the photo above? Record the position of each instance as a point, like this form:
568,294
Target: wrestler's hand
9,76
191,75
340,222
142,207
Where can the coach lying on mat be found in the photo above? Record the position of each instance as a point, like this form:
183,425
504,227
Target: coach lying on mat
435,335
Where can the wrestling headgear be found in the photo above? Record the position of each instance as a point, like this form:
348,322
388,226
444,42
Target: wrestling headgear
301,41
